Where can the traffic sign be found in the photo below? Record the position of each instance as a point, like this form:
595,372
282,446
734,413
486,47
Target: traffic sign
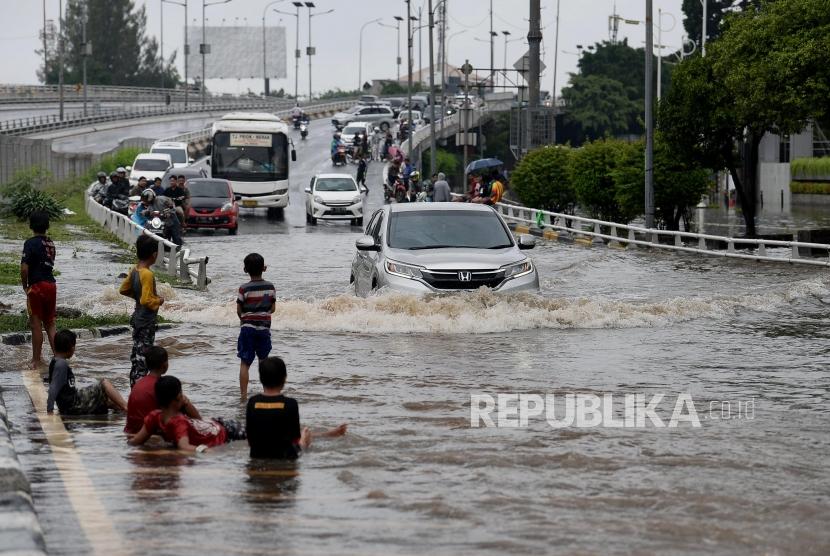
523,63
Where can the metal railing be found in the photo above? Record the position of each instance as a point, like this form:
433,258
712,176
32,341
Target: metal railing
688,242
33,94
172,260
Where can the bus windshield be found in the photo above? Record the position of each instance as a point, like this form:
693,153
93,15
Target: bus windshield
249,156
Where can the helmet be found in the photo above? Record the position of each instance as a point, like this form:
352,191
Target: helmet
121,170
114,174
376,128
148,195
337,135
415,176
102,174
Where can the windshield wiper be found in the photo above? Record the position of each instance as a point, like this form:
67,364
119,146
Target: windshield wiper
500,246
421,247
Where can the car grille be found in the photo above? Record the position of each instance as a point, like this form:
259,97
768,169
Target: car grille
208,220
457,279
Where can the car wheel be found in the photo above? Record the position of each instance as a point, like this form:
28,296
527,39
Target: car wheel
384,126
276,213
307,217
232,231
312,220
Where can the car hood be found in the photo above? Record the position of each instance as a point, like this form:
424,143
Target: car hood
337,196
340,116
207,202
458,259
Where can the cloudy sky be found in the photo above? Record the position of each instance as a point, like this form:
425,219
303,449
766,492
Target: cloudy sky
581,22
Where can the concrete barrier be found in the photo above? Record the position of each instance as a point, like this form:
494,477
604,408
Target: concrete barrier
20,531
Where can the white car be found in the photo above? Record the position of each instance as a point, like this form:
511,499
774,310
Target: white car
334,197
177,151
150,166
416,117
377,114
347,135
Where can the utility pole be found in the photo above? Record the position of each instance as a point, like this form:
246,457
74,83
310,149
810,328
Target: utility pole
703,29
649,169
60,58
161,40
85,51
492,51
45,55
360,55
310,51
432,145
297,5
398,20
443,56
555,60
267,82
534,39
464,114
660,52
409,71
420,47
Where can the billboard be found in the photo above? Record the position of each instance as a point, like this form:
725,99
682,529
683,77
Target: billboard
235,52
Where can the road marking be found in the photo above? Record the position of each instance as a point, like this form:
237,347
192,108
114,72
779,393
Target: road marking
93,517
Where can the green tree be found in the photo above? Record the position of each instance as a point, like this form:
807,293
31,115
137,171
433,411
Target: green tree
592,171
767,72
716,11
122,54
542,179
678,184
600,106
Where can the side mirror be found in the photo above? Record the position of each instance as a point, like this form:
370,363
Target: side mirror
307,190
191,160
366,243
293,155
527,241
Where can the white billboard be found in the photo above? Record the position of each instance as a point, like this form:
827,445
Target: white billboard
235,52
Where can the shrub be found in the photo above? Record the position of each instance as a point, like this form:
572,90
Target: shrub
445,161
810,187
542,179
592,169
24,194
810,168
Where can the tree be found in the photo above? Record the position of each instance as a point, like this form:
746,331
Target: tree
592,171
678,184
121,52
766,73
542,179
601,106
716,11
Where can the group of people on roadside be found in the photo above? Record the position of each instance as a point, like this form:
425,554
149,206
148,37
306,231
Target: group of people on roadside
157,404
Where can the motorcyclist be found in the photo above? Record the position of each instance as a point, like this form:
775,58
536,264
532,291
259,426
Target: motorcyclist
335,142
150,203
388,142
118,187
414,186
99,191
357,144
157,188
179,194
139,187
408,168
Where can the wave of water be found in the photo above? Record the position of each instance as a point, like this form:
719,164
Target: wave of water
482,311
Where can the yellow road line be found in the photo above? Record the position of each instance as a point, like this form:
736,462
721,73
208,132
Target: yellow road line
95,522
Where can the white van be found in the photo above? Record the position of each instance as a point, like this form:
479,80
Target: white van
177,151
150,166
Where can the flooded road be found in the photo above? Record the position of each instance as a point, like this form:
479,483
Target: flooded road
412,476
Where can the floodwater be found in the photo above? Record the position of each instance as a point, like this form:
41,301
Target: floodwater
412,476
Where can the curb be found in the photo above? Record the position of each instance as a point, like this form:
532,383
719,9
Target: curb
20,338
20,530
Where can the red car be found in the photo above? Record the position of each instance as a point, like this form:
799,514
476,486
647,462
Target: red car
212,205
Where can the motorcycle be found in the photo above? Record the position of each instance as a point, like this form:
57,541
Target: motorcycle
398,192
162,223
121,204
296,121
304,129
340,156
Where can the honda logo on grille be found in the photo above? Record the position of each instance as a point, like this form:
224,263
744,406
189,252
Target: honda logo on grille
465,276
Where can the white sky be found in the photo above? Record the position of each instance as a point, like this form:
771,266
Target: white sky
336,35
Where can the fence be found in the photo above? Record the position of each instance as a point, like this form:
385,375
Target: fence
794,252
174,261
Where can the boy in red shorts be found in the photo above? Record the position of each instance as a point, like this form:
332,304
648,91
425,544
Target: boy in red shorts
39,284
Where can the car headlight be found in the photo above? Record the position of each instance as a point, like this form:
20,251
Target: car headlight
520,269
319,200
357,199
403,270
227,207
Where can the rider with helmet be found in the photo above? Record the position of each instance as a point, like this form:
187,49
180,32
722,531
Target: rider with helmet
414,186
150,203
336,142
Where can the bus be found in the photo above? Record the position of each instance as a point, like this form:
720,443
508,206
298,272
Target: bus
251,150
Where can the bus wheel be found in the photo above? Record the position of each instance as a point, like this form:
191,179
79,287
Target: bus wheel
276,213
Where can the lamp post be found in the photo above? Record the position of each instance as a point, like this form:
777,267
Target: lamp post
409,19
432,146
398,19
85,50
266,88
444,70
703,29
555,63
186,45
297,5
204,48
649,167
360,54
310,50
161,40
493,36
60,58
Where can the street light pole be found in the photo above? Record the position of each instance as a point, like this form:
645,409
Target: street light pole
45,55
409,71
266,88
85,51
310,51
555,60
492,49
186,46
204,48
60,58
432,145
398,19
703,29
360,54
649,169
297,5
161,40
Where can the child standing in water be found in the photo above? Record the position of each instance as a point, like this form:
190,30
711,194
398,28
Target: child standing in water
39,284
140,284
255,303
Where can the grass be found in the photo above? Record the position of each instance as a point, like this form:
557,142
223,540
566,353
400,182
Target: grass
810,168
20,322
810,187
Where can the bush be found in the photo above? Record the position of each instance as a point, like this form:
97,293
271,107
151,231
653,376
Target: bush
542,179
810,187
445,161
592,169
25,194
810,168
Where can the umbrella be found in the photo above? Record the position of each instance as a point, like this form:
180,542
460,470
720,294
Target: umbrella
483,164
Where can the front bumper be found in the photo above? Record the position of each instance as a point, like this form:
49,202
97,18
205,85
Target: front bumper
216,221
279,200
325,212
528,282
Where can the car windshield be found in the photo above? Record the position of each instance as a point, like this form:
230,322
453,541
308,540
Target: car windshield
150,165
440,229
353,130
250,156
208,188
178,156
335,184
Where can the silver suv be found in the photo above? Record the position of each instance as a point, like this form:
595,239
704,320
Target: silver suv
376,114
441,247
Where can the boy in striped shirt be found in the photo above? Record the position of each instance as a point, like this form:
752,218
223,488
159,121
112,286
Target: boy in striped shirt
254,305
